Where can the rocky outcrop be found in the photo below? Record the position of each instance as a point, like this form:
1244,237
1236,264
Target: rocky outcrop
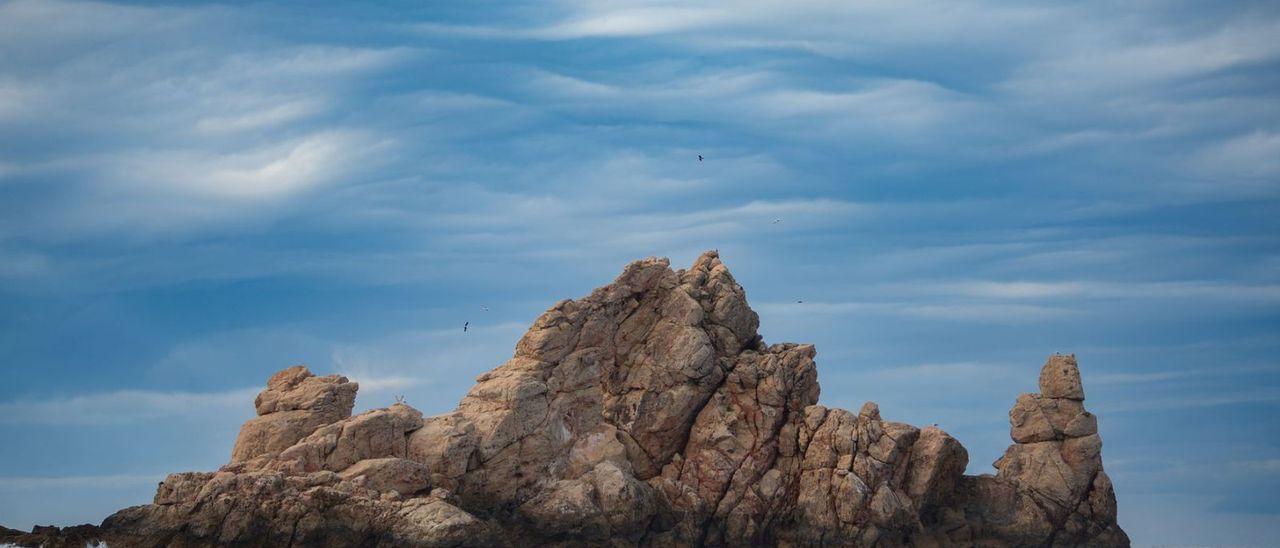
293,406
649,413
1050,487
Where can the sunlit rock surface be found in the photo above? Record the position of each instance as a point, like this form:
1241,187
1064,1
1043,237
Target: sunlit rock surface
649,413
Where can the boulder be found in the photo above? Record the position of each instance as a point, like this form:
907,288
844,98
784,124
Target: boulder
390,474
1060,378
295,404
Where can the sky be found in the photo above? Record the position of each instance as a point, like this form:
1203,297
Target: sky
193,196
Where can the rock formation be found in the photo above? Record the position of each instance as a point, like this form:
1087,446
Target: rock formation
648,413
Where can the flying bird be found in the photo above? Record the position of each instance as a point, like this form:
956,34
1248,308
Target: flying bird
464,326
484,308
799,302
699,157
776,221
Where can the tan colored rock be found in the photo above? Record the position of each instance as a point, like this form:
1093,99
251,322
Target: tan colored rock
429,521
937,462
296,388
1050,485
375,434
272,509
294,405
1060,378
403,476
1029,422
649,413
642,355
266,436
735,465
604,504
1040,468
1036,418
446,444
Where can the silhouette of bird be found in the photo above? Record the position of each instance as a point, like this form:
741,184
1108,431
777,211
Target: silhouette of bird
699,157
776,221
464,326
799,302
484,308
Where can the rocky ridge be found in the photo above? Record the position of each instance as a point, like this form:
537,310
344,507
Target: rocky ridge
649,413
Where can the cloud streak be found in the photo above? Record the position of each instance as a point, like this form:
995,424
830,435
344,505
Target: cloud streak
193,196
126,406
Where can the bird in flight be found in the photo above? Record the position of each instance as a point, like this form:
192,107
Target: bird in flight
484,308
464,326
799,302
699,157
776,221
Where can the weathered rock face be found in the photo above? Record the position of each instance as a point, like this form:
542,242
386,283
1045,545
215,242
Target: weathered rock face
1050,486
293,406
648,413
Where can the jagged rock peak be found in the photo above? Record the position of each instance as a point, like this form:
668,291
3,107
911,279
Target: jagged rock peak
648,413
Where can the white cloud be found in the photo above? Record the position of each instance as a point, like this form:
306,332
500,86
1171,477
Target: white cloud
1110,61
279,113
370,383
820,23
52,28
900,106
1251,158
638,21
1179,374
126,406
963,371
200,131
1138,378
869,108
1065,49
1013,290
1192,401
960,311
280,170
999,313
660,90
1098,290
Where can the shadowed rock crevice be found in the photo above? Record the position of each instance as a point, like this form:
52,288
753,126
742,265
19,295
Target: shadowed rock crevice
649,413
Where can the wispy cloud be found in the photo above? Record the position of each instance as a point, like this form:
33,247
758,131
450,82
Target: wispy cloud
126,406
989,312
1258,396
201,131
1101,290
1252,158
270,172
197,195
942,371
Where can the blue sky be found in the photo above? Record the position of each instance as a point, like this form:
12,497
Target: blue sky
193,196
